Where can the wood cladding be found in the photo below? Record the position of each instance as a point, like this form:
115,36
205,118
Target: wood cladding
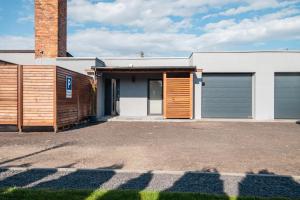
77,108
8,94
36,96
178,95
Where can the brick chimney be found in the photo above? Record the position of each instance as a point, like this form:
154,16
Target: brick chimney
50,28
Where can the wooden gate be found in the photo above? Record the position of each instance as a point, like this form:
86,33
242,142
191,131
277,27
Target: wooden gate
178,95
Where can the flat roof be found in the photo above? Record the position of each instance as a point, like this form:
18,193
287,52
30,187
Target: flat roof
6,63
144,68
17,51
24,51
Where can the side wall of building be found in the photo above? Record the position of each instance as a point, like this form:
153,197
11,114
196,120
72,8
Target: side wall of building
262,64
18,58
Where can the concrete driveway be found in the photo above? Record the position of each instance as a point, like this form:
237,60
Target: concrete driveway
221,146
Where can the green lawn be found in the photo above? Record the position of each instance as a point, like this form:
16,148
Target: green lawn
33,194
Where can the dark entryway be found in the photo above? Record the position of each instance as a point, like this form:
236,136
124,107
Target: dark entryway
112,97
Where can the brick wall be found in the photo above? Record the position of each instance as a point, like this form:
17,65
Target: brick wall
50,28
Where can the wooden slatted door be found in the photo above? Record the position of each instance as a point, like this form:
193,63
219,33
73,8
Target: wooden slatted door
178,95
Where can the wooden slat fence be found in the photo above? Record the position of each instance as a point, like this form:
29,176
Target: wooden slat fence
8,94
36,96
77,108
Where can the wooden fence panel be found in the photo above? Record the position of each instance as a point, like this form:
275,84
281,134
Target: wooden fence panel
8,94
79,107
38,94
178,96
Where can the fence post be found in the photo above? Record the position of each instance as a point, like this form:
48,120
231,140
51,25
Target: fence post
20,97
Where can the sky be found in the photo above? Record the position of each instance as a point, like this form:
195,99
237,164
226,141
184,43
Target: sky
124,28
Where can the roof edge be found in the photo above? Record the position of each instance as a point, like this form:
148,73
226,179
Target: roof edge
262,51
17,51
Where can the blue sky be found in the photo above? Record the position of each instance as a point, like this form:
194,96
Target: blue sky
161,28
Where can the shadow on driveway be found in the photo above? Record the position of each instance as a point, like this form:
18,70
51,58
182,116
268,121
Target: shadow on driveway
35,153
262,184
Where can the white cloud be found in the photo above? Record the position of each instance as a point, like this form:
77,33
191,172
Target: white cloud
151,15
219,25
255,30
16,42
161,35
254,5
217,36
27,18
26,13
107,43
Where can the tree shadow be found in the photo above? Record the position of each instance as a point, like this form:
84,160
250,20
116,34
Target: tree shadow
3,170
35,153
29,164
69,129
268,184
206,181
25,178
68,165
135,185
80,179
114,166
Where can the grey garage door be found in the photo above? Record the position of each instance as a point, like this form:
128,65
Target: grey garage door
227,95
287,95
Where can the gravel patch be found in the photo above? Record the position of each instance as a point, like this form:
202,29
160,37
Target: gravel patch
185,146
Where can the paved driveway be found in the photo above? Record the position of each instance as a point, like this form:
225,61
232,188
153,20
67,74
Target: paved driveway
222,146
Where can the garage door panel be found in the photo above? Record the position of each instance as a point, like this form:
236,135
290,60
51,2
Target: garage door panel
238,108
221,112
226,100
227,93
287,112
227,96
287,95
219,81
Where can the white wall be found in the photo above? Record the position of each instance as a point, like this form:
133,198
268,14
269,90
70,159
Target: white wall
197,94
18,58
77,64
263,64
133,97
125,62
